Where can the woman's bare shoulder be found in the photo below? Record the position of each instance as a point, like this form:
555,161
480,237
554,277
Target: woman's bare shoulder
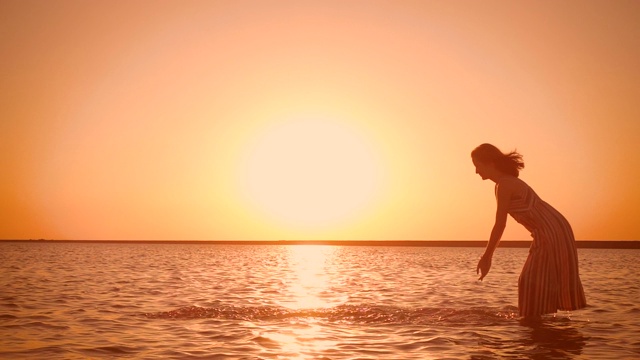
511,183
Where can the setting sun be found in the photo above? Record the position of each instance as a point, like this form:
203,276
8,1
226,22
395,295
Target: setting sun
310,172
279,120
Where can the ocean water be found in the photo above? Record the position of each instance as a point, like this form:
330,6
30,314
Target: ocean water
184,301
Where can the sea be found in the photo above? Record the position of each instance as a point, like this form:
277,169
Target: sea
202,301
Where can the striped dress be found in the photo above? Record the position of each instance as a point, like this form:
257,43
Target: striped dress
549,280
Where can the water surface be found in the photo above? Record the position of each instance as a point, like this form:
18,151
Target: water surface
159,301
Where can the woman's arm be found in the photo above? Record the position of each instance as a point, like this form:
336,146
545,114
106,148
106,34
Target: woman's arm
503,196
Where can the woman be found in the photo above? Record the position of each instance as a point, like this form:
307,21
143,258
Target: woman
549,280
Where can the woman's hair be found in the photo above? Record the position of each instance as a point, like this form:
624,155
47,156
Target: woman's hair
510,163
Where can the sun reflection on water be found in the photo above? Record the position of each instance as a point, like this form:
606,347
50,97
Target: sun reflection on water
300,340
309,282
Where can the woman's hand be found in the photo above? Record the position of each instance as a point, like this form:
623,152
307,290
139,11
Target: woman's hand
483,266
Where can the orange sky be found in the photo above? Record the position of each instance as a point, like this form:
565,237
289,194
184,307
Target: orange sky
313,119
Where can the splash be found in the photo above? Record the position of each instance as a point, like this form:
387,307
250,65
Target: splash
355,314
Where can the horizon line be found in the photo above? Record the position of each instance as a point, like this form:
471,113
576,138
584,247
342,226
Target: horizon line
599,244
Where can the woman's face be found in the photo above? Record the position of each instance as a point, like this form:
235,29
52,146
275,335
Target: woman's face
484,169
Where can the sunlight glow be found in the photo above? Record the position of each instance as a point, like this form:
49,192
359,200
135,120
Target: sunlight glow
313,120
310,172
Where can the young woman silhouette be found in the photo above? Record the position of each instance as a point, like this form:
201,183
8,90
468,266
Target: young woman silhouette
549,280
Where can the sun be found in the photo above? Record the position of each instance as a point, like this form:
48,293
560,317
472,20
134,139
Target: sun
310,172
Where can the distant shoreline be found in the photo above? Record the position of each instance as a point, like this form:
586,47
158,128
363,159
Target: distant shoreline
583,244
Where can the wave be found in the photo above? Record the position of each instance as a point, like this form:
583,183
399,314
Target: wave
355,314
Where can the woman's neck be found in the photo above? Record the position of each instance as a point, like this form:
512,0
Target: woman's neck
498,176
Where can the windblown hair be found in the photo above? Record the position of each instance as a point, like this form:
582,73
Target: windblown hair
510,163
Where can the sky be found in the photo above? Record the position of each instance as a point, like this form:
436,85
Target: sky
247,120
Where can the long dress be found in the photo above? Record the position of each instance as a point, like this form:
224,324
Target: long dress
550,280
